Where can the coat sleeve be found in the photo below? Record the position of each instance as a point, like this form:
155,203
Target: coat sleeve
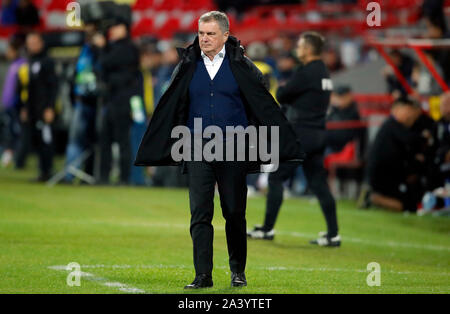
257,73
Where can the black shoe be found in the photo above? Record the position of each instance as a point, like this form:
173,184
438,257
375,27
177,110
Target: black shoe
201,281
41,178
259,233
238,280
325,240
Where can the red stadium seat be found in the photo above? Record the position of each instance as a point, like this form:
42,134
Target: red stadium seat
171,26
198,5
141,5
168,5
143,27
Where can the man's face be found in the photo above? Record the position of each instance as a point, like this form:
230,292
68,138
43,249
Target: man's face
117,32
34,44
345,100
302,50
406,115
211,38
11,53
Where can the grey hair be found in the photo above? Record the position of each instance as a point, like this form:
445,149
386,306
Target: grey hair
220,17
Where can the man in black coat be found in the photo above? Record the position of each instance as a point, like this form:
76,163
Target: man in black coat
37,91
119,65
307,96
214,81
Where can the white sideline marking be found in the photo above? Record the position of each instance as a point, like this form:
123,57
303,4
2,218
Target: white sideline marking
100,280
394,244
273,268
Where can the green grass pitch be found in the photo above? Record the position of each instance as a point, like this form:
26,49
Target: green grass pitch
137,240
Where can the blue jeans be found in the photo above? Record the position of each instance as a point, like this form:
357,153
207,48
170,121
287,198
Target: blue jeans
81,134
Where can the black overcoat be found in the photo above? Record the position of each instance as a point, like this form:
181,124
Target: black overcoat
173,108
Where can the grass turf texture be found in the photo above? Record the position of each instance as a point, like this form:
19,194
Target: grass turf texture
140,237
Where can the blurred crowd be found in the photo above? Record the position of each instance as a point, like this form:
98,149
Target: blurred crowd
117,83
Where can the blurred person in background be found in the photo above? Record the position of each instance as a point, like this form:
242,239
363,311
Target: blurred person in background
8,12
10,100
442,158
37,93
82,130
119,65
392,177
332,60
151,61
307,96
257,52
169,60
344,108
405,65
27,14
436,28
423,82
343,144
286,64
166,176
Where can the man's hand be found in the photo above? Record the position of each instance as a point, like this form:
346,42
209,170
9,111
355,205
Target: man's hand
99,40
49,115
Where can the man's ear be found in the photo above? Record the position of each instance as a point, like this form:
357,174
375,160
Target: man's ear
226,34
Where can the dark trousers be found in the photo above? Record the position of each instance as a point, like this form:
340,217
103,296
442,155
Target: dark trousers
31,135
231,181
115,128
317,181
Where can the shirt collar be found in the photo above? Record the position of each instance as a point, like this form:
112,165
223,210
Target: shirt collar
221,54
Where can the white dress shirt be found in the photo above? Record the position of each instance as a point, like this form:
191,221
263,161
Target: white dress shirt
213,66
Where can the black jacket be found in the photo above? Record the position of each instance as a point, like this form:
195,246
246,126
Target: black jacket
119,65
307,94
42,86
173,108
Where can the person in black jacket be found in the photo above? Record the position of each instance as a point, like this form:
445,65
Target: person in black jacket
119,65
306,96
37,92
215,82
391,166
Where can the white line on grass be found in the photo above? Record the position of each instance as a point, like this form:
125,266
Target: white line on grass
101,280
273,268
